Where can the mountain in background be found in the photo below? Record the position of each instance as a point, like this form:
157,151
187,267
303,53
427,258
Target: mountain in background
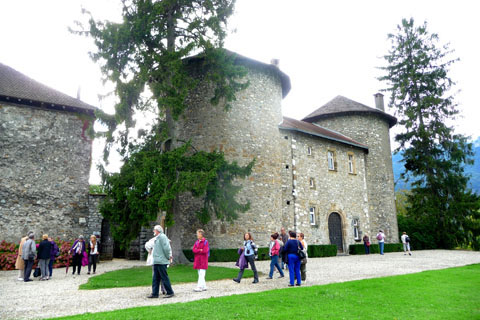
473,170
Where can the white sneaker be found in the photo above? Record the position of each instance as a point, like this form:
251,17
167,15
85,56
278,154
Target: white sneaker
20,279
198,289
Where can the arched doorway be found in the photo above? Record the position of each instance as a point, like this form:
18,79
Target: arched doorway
335,230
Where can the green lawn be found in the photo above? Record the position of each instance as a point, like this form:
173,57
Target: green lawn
442,294
142,276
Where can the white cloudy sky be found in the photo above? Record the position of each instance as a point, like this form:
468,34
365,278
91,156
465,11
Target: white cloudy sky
328,48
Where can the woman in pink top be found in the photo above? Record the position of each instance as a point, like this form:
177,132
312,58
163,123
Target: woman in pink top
201,251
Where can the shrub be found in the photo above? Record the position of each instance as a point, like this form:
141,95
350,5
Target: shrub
9,252
374,248
322,250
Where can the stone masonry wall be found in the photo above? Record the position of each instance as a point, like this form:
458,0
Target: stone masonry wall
249,130
334,191
373,131
44,170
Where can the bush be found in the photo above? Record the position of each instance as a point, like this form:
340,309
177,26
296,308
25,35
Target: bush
231,255
421,237
374,248
9,252
322,250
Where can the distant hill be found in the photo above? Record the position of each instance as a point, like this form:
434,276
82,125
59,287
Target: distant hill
473,171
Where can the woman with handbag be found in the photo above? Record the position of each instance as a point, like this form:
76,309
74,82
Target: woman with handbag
273,252
78,250
294,250
303,262
366,244
249,253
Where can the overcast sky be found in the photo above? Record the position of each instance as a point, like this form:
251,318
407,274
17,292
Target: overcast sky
328,48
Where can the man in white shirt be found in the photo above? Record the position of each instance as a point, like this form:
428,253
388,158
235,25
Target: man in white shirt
406,244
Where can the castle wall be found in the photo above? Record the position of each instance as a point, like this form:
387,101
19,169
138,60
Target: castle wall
374,132
333,191
45,164
249,130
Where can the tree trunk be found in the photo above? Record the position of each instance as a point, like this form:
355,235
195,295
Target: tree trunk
175,233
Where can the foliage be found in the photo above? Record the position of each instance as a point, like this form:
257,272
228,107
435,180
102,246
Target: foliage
231,255
374,248
437,294
434,156
142,276
150,181
96,189
9,253
148,57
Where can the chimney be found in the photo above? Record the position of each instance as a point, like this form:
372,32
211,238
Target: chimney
78,92
275,62
379,101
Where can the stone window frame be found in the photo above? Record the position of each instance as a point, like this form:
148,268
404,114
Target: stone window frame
354,166
356,229
309,151
334,158
312,183
314,215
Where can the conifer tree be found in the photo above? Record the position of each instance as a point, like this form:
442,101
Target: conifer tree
146,57
418,81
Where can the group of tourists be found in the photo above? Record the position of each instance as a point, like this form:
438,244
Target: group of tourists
381,243
47,251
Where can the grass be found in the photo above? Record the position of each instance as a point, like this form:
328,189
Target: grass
142,276
441,294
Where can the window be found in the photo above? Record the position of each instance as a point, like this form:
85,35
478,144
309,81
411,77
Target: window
356,233
312,216
309,151
351,163
331,160
312,183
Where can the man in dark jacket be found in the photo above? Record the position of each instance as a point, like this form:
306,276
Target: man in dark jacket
29,251
44,250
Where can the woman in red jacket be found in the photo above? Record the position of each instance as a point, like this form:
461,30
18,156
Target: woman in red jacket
201,252
274,253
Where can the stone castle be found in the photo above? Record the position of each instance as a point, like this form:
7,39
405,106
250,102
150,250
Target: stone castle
329,175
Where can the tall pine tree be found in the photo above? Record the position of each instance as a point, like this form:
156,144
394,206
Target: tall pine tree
144,57
420,87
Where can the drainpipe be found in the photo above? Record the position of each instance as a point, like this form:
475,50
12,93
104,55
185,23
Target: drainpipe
294,184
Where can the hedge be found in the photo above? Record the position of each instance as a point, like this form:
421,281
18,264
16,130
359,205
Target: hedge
231,255
374,248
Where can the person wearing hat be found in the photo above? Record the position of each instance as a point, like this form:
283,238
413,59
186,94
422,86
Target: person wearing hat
381,240
29,252
78,250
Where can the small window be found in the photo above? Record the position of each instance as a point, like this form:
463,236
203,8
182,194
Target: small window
287,166
309,151
288,202
331,160
351,163
286,137
312,183
312,216
356,233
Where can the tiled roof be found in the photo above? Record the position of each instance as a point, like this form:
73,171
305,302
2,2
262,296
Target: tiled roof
316,130
15,87
341,105
246,61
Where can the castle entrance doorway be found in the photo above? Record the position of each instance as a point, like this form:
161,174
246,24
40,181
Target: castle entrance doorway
335,230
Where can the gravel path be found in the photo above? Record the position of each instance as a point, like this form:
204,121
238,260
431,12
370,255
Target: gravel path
60,296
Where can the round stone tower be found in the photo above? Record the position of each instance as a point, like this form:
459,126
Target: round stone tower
247,131
370,126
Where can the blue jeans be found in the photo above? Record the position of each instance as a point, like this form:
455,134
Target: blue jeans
274,263
294,268
50,267
367,249
381,244
160,275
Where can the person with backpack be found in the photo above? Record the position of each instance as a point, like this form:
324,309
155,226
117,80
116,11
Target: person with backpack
406,244
201,251
292,248
381,240
274,252
366,244
248,254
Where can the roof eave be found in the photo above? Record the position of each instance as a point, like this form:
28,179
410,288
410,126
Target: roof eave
390,119
46,105
324,137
